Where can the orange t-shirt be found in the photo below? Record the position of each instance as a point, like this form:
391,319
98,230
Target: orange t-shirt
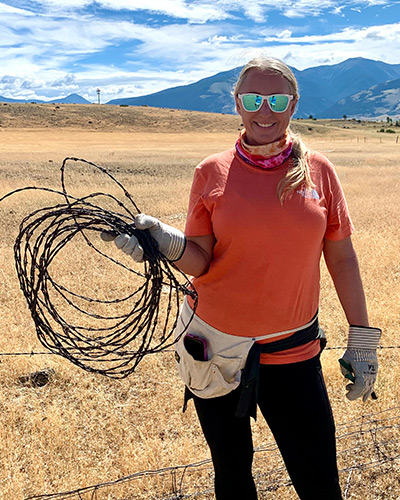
264,275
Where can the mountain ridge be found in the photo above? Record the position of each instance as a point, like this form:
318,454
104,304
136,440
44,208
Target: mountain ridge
357,87
69,99
321,87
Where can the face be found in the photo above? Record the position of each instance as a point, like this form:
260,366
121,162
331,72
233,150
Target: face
264,126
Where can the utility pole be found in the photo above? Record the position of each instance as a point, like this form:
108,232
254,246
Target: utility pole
98,96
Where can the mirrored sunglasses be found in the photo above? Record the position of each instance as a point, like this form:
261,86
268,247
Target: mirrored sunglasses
278,103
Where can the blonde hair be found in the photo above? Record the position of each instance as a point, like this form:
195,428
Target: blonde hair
299,174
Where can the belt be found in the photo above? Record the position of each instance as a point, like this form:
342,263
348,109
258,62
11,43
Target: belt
247,405
249,381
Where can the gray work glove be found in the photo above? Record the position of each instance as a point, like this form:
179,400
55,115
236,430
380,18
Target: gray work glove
171,242
359,362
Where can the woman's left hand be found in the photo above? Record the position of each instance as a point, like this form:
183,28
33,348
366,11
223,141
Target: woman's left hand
359,362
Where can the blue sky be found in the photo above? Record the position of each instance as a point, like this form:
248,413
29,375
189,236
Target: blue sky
52,48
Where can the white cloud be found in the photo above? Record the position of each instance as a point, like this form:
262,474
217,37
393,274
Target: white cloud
387,33
254,11
284,34
65,82
8,9
201,11
8,37
338,10
304,8
372,3
134,83
183,43
62,5
45,55
196,12
7,79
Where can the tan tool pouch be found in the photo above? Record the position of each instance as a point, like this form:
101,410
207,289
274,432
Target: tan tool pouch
226,356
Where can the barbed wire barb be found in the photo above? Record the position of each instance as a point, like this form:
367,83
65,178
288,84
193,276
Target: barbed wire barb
108,343
371,454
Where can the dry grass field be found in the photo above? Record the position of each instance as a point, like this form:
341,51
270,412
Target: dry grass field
81,429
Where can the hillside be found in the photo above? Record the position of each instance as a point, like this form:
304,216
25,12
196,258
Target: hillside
110,117
145,119
382,99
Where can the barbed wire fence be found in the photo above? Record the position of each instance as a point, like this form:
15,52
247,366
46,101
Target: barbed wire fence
366,444
44,353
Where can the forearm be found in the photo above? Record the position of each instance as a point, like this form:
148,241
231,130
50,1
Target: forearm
344,270
349,288
197,255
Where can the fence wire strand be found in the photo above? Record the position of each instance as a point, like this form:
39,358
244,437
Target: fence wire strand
166,350
366,442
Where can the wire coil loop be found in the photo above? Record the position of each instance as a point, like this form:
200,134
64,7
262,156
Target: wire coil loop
111,343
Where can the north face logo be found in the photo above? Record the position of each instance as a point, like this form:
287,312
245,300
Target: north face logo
309,193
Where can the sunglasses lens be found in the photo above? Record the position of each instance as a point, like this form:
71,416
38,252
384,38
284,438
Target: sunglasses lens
251,102
278,103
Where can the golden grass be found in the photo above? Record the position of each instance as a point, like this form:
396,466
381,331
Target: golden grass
83,429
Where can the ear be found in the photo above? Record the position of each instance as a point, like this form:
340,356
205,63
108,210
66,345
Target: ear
238,105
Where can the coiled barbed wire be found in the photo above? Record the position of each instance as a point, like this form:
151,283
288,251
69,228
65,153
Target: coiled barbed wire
117,342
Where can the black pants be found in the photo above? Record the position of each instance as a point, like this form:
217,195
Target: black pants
295,405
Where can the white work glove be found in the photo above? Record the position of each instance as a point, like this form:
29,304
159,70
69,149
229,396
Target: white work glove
171,242
359,362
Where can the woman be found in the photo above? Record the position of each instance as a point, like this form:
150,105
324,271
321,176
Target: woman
260,216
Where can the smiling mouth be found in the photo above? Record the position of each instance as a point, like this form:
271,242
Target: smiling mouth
264,125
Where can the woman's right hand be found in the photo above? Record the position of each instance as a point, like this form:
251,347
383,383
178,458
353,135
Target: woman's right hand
171,241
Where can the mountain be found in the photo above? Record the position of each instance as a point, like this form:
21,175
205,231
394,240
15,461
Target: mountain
70,99
212,94
358,88
348,77
8,99
379,101
321,88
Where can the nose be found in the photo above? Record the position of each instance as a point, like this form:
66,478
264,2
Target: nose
265,109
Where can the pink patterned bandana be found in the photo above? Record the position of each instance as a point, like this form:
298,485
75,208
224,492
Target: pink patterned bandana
267,155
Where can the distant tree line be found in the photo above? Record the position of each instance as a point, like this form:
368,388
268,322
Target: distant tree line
388,120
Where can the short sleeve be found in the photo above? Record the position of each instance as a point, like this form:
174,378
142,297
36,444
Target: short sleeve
198,221
339,224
